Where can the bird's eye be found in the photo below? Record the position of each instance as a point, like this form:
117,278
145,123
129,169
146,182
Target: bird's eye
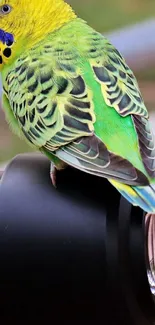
5,9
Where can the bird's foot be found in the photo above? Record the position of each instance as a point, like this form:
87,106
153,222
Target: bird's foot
53,171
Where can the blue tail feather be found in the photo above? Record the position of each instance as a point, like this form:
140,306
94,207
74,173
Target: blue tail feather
146,194
143,196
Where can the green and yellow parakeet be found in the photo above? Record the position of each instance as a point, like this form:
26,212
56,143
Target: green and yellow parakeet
69,92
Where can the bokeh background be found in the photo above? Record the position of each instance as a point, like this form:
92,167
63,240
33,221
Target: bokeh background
114,18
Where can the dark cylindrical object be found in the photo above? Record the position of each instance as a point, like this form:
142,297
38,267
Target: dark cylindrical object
71,255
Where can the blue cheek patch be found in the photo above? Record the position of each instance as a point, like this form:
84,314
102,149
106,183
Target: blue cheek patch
6,38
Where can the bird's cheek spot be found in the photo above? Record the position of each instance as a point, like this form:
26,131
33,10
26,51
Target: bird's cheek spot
1,60
9,43
7,52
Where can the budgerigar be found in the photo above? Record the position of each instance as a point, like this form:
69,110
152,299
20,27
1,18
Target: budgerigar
70,93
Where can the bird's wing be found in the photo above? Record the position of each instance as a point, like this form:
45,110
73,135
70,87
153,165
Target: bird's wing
54,105
119,106
121,92
49,98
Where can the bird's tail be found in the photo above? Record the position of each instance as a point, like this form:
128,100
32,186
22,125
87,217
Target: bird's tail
143,196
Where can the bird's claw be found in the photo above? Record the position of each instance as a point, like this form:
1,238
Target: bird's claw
53,176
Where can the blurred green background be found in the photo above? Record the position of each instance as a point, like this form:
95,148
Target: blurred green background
105,16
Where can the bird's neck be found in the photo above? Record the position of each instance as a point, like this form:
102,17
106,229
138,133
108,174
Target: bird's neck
48,19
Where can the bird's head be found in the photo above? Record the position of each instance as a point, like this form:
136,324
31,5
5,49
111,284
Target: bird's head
23,23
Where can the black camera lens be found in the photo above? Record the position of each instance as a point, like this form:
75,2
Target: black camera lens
76,255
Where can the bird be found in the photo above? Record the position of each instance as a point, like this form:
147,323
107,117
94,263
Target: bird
70,94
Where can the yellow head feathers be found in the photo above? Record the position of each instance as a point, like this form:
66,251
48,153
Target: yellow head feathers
30,21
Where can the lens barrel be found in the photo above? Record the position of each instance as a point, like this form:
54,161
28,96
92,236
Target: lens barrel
77,254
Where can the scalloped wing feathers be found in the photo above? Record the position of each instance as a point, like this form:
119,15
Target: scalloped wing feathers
51,91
